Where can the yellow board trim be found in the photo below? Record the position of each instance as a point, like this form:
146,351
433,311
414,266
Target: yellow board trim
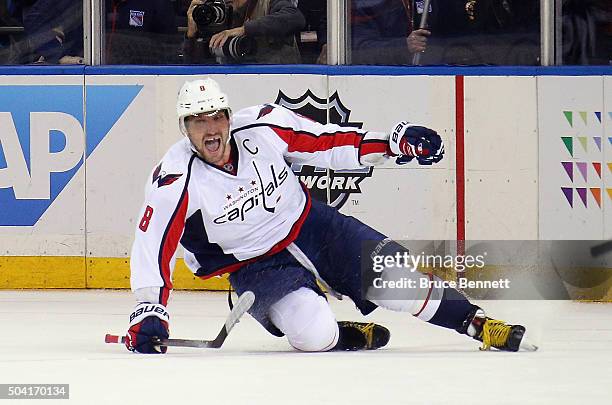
42,272
25,272
48,272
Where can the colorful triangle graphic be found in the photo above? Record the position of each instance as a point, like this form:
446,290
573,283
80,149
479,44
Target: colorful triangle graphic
598,115
570,117
609,190
582,168
583,142
610,166
597,167
582,193
568,141
583,115
567,192
569,169
596,191
597,140
610,139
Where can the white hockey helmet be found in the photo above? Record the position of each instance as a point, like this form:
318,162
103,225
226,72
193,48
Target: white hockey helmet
202,96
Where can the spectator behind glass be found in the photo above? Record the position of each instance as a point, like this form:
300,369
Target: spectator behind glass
141,32
382,33
587,32
474,32
314,34
12,42
270,24
54,30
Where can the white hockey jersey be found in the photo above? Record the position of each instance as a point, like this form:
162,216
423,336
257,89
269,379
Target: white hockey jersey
223,220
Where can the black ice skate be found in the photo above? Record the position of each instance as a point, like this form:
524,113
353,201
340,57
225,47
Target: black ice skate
494,333
361,336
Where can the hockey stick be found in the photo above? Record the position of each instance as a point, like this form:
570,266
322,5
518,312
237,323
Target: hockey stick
416,59
244,303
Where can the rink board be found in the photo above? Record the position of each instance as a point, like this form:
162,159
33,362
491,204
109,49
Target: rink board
514,158
501,161
575,158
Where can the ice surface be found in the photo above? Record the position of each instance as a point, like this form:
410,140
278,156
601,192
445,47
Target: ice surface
58,337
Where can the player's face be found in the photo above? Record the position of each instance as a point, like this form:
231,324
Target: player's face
209,135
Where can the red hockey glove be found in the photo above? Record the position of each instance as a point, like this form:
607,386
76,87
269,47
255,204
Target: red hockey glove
416,141
148,321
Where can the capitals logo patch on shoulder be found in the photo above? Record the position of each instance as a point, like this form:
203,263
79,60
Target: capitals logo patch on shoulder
136,18
162,178
266,109
341,183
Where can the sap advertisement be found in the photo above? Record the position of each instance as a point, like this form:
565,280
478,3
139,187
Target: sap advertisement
44,144
47,132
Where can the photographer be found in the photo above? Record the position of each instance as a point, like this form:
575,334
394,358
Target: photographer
242,31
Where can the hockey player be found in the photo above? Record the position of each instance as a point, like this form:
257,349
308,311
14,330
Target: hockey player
226,193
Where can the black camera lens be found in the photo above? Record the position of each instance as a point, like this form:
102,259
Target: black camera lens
240,47
213,12
237,48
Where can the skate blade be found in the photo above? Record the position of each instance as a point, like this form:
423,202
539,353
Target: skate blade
527,346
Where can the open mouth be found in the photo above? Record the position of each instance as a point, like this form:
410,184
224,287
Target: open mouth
213,144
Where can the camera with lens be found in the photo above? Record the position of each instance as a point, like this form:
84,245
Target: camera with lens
236,49
211,14
215,16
